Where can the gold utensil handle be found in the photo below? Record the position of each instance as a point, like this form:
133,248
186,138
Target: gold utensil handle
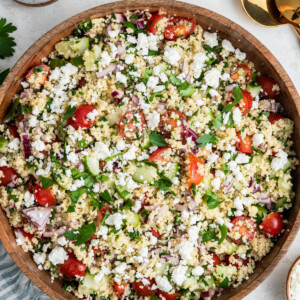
297,29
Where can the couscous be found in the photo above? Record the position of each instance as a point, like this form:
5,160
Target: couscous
146,158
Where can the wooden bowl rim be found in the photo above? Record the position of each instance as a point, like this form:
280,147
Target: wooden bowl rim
119,6
288,280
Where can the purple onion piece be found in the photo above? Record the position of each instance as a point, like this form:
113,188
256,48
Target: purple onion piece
108,30
25,94
56,231
170,259
180,207
270,106
111,68
120,17
191,133
118,94
229,88
26,145
251,182
135,100
121,47
151,207
228,182
206,294
161,107
264,198
22,126
256,189
155,250
12,184
140,24
38,216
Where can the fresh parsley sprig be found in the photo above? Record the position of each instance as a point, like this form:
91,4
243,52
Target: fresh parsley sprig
6,42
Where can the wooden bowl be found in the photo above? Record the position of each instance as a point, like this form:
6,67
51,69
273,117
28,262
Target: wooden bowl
240,38
288,280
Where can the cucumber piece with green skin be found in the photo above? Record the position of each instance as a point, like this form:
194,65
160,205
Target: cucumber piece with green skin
172,171
89,286
62,180
146,144
287,167
207,283
3,144
145,174
281,203
163,67
92,165
254,90
63,48
122,191
132,219
161,268
110,184
222,272
229,246
73,48
190,283
283,183
115,116
89,60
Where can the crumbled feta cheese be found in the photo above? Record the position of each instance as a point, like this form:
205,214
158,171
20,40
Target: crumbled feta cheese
152,82
227,46
131,39
153,120
185,250
198,271
115,220
38,145
171,56
257,139
129,59
101,150
121,145
120,269
58,255
92,115
121,78
72,157
39,258
210,39
237,115
226,117
242,158
280,161
103,232
198,63
62,241
141,87
216,183
240,55
29,199
178,274
212,77
14,145
137,206
163,283
193,233
142,44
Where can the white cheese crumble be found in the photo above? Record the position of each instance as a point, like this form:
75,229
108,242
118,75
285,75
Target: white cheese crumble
198,271
163,283
210,39
58,255
237,116
279,161
257,139
153,119
227,46
185,250
212,77
171,56
178,275
115,220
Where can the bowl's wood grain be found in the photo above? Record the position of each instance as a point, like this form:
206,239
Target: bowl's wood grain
256,52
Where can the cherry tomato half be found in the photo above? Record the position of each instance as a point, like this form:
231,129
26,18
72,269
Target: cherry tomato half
101,214
246,103
245,227
80,119
248,72
159,155
13,130
171,120
38,74
132,125
179,27
268,87
156,233
9,175
166,296
72,267
216,259
239,261
120,288
244,145
194,173
273,117
272,225
154,22
44,197
144,289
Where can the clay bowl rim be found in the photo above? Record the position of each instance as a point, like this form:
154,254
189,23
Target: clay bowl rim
288,280
15,77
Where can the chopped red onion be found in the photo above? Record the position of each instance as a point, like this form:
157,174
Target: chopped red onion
26,145
268,105
228,182
7,209
220,58
135,100
161,107
121,47
188,78
56,231
206,294
178,232
256,189
140,24
108,30
111,68
251,182
25,94
161,212
12,184
264,198
80,167
155,250
184,66
180,207
38,216
118,94
191,133
120,17
22,126
151,207
170,259
229,88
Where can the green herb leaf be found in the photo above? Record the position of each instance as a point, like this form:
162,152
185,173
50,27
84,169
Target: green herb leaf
6,42
46,182
70,112
224,283
114,156
157,139
212,200
106,197
135,235
164,183
206,139
187,92
224,232
82,28
12,111
57,63
208,235
174,80
128,204
3,75
75,195
81,235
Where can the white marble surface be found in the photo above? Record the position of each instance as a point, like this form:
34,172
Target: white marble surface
281,41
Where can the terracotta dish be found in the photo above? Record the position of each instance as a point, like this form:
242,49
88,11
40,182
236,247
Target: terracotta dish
240,38
288,280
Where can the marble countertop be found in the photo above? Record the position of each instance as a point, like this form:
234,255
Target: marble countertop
282,41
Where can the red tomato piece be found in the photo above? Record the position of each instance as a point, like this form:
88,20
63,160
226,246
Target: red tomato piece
166,296
268,86
235,75
25,234
38,74
9,175
170,120
155,22
144,289
240,261
245,227
132,125
31,184
272,225
101,213
156,233
194,174
120,288
180,27
158,155
44,197
13,130
216,259
246,103
80,119
244,145
273,117
72,267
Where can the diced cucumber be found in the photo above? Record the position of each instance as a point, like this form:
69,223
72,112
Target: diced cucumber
284,183
161,268
132,218
287,167
207,282
163,67
110,184
261,211
207,179
123,191
281,203
222,272
62,180
229,246
73,48
239,186
115,116
145,173
191,283
88,286
172,171
3,144
92,165
254,90
145,143
89,60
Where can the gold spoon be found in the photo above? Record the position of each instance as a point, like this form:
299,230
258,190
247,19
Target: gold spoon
290,9
266,13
